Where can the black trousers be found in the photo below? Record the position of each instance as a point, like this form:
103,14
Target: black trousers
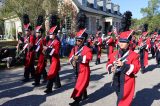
28,71
152,52
55,80
38,76
83,95
142,59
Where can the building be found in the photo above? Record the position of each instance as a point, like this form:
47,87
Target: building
12,27
99,13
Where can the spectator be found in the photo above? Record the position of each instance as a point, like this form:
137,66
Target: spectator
71,43
59,34
63,45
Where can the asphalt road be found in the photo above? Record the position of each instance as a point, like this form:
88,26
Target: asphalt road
15,93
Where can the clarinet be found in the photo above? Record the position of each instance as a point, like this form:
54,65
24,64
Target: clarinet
142,46
37,45
123,59
115,65
49,49
74,63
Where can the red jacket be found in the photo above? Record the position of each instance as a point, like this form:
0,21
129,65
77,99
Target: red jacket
127,79
99,45
84,70
55,65
41,59
110,42
30,54
146,50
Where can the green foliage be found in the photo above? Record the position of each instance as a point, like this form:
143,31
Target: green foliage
152,9
151,17
1,27
31,7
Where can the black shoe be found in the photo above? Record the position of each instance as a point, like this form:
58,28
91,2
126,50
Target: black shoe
57,87
32,77
142,71
85,97
25,80
75,103
36,84
48,91
44,81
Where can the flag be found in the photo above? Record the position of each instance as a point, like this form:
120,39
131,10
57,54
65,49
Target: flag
115,30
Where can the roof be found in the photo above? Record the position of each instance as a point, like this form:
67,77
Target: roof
93,10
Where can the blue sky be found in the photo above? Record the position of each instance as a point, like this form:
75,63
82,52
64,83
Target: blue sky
133,5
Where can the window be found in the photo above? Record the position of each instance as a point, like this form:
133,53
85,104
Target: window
68,23
97,23
84,2
87,23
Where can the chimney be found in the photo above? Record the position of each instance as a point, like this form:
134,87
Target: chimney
95,3
116,8
104,5
83,2
110,7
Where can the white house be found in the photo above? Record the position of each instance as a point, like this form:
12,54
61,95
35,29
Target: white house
99,13
12,27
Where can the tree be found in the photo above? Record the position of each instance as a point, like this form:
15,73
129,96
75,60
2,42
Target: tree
50,6
31,7
151,16
152,8
67,9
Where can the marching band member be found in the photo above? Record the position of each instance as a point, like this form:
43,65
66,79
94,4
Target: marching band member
53,50
158,51
133,43
153,47
40,42
90,41
110,43
29,49
80,57
144,45
98,44
124,63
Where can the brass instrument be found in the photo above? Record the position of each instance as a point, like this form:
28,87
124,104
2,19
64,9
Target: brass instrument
117,69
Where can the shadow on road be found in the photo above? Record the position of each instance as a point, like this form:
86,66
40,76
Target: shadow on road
32,100
97,77
96,69
146,96
10,84
106,90
15,92
151,67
